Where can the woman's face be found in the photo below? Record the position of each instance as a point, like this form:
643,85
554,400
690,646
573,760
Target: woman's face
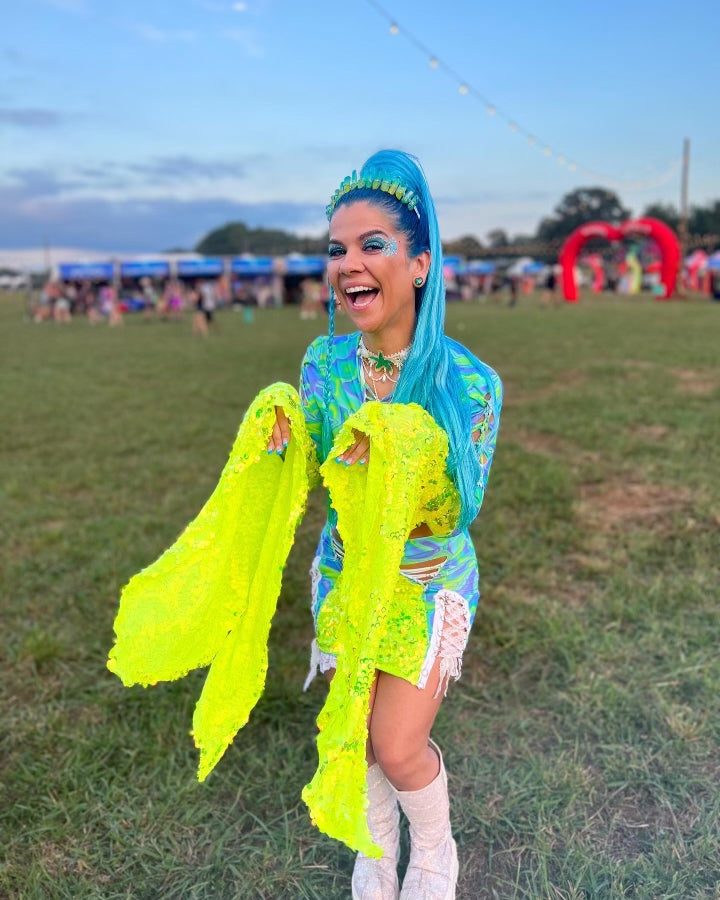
372,275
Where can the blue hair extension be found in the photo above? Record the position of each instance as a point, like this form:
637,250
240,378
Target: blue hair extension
430,376
327,436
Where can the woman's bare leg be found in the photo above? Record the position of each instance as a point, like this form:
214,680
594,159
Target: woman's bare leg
401,718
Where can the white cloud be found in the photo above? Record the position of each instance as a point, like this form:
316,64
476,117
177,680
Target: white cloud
246,38
240,7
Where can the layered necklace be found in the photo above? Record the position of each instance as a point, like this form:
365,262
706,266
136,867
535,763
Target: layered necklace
378,367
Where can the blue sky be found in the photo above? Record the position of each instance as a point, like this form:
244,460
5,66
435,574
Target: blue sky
138,126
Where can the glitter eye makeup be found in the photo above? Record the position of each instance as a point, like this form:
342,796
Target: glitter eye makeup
375,243
390,248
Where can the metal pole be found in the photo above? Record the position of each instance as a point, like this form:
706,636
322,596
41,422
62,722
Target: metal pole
683,225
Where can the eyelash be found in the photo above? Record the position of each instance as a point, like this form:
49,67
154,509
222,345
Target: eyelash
371,245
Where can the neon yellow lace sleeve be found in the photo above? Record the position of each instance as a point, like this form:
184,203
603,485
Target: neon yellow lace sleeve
209,599
373,618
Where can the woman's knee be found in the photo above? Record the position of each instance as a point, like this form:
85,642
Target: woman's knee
398,756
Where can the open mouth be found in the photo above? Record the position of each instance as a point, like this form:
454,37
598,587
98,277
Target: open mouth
361,297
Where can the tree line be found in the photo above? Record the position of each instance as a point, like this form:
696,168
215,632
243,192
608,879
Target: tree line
577,207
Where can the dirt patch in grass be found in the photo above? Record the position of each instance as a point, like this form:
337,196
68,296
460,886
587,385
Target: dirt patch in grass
615,505
566,380
651,432
550,445
697,382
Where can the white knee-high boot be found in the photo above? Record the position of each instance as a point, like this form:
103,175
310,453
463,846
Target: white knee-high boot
376,879
433,868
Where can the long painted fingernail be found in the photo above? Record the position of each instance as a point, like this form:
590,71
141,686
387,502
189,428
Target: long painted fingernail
285,443
279,451
362,462
270,450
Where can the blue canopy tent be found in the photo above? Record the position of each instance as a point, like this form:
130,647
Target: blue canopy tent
452,264
204,267
305,265
252,265
86,271
150,268
479,267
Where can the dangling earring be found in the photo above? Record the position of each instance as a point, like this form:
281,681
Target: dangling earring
418,282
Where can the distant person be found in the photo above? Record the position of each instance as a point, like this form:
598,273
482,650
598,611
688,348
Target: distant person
199,321
512,286
549,295
208,301
150,298
62,311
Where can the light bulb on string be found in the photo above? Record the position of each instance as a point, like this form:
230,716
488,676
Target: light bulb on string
466,88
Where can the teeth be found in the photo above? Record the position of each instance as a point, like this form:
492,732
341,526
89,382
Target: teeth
354,290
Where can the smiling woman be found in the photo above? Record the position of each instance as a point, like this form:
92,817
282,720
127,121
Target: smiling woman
385,272
400,422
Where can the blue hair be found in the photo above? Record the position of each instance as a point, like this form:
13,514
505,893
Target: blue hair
430,376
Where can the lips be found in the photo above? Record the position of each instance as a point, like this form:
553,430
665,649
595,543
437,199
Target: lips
359,297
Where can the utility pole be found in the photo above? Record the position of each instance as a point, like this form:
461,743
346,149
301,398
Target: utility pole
684,197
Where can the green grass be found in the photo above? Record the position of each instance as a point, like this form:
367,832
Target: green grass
582,742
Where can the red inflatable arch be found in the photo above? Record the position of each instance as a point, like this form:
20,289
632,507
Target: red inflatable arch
654,228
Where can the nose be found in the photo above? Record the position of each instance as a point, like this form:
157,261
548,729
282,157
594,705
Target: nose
351,262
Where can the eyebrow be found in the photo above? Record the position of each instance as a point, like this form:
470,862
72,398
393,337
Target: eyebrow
361,237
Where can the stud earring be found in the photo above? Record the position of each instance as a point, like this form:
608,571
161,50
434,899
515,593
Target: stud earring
418,282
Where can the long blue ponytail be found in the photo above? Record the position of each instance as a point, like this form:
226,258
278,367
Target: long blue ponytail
430,376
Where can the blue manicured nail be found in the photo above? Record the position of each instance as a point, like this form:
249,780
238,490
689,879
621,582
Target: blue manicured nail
270,450
362,462
279,451
285,443
338,460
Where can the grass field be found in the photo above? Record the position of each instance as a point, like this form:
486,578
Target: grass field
583,742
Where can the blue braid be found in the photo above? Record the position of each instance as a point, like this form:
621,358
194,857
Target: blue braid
327,435
430,376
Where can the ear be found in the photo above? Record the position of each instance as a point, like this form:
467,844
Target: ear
420,265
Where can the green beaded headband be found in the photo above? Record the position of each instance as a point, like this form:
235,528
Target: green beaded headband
374,181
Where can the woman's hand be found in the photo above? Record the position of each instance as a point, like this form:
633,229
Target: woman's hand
280,437
359,452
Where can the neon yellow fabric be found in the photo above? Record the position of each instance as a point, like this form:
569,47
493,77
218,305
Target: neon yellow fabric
374,617
209,599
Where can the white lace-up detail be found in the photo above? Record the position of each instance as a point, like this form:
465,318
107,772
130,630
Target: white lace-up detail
451,627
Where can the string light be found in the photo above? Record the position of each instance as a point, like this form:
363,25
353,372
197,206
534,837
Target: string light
491,109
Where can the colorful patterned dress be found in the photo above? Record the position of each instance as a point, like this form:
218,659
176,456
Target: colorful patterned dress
446,566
